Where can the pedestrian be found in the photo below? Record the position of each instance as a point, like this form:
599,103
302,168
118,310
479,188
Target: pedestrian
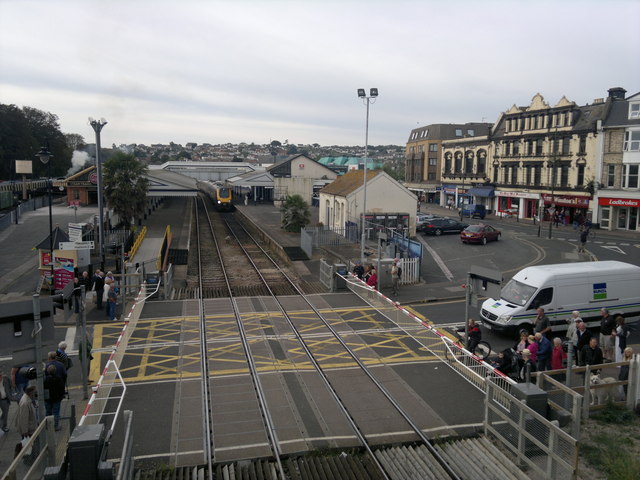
620,333
98,286
572,338
5,399
543,360
358,270
54,393
108,284
624,369
474,335
246,199
591,354
584,235
558,355
607,341
112,303
541,322
27,421
396,272
533,348
527,366
372,281
62,357
52,360
583,336
19,380
77,295
522,343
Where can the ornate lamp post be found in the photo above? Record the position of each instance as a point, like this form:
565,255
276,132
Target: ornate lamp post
373,94
45,156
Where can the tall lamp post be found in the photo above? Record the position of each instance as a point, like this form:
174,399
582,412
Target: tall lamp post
367,100
97,126
553,165
45,156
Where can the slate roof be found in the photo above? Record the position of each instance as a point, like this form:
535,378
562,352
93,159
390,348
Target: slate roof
447,131
619,113
349,182
58,236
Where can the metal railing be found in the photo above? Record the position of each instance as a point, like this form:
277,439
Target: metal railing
543,447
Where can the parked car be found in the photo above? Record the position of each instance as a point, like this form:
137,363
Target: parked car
438,226
473,210
422,218
479,234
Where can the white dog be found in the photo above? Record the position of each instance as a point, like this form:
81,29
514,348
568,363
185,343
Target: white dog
601,395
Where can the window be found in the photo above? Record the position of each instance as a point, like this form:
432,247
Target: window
505,175
433,147
482,159
458,132
471,132
432,176
543,298
632,141
566,142
529,147
539,146
516,147
564,175
634,110
630,179
611,175
468,162
580,179
537,177
433,161
458,157
582,148
447,163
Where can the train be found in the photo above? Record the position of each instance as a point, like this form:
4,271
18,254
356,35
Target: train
220,194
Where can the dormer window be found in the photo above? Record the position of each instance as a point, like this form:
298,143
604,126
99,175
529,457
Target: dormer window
634,111
470,132
632,141
458,132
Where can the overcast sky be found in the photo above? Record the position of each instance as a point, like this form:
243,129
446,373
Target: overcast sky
256,71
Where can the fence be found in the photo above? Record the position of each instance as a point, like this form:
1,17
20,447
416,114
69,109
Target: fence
26,206
537,443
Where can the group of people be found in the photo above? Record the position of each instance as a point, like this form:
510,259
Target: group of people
106,293
369,275
541,351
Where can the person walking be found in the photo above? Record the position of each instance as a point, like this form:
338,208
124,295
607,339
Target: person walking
108,285
98,286
475,336
620,335
27,420
112,303
358,270
584,234
5,399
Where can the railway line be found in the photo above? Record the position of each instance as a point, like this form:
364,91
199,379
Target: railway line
292,400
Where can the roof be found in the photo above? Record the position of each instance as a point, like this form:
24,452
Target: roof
283,167
58,236
619,114
579,268
447,131
349,182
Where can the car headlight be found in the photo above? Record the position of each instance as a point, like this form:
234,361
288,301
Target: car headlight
505,318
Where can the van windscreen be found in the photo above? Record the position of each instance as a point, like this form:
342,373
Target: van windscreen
517,293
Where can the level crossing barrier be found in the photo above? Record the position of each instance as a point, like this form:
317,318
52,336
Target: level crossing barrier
468,365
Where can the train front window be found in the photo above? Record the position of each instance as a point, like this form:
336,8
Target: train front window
223,192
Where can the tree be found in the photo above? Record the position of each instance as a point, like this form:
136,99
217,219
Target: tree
295,213
395,173
74,141
45,131
292,149
125,186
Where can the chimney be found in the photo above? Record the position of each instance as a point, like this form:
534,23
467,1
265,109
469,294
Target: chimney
617,93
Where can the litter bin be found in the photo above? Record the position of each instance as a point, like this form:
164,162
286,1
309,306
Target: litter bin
340,281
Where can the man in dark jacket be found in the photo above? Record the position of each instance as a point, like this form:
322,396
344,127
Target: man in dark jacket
98,284
591,354
543,355
583,335
607,342
54,393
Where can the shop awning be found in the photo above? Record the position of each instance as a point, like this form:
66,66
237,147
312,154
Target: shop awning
482,191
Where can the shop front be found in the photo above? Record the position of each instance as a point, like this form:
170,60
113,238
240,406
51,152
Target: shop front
522,204
454,196
567,207
619,213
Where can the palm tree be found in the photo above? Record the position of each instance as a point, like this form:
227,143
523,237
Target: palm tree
295,213
125,186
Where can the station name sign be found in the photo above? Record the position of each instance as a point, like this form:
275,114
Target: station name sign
89,245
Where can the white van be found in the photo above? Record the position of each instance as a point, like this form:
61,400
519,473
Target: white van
562,288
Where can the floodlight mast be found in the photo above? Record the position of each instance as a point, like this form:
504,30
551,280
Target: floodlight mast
367,100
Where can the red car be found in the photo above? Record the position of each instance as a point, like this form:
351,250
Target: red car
479,234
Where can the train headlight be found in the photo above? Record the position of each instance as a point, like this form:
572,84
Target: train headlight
219,202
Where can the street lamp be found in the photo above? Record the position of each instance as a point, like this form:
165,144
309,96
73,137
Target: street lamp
373,94
97,126
45,155
553,165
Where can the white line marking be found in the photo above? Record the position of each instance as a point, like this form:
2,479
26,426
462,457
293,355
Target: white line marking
439,261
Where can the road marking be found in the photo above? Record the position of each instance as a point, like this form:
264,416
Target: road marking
613,248
439,261
70,338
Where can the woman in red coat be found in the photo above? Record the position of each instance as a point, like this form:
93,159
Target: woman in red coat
372,281
558,355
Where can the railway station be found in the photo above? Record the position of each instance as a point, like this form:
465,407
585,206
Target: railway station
256,381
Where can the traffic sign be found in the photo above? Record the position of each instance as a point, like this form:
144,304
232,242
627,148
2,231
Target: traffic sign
88,245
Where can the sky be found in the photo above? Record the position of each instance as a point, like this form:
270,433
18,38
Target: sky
255,71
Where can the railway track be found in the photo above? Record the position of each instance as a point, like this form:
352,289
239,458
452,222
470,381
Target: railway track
273,426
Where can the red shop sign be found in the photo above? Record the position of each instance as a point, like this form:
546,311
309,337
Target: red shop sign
620,202
566,201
